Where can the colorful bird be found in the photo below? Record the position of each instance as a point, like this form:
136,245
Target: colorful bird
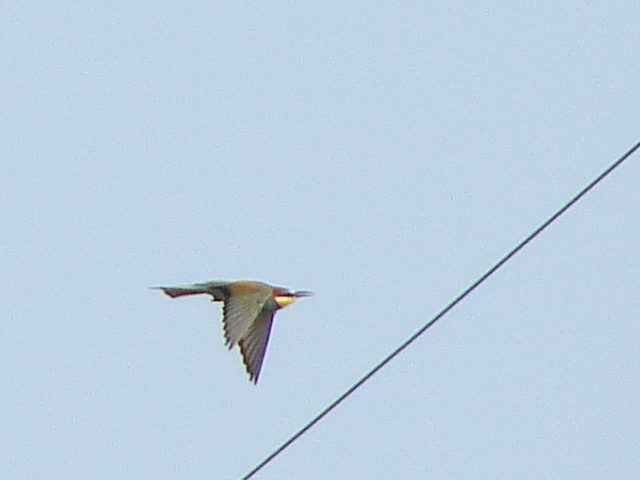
248,313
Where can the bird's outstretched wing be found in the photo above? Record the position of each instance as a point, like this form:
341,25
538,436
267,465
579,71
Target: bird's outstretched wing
240,311
254,344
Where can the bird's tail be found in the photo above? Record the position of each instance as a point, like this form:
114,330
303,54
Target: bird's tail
181,290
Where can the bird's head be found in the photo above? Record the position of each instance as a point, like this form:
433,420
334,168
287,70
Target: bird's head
284,297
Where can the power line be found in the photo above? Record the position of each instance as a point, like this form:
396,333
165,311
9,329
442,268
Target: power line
443,312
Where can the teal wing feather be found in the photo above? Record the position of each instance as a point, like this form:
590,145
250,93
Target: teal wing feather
239,314
253,345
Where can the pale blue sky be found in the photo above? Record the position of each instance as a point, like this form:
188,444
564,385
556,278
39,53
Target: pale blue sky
383,157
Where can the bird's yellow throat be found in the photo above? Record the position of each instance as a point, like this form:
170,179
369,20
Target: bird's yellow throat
283,300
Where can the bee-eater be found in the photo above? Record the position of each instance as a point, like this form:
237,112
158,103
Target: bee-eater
247,313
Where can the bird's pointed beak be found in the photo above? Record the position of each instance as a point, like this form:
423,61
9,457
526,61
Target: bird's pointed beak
303,293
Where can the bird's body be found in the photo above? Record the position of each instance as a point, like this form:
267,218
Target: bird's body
248,311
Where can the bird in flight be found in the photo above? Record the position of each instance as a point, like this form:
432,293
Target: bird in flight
247,313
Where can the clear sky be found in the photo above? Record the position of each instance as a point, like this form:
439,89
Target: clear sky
382,155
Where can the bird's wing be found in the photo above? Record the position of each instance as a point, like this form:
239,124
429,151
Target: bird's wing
239,313
254,344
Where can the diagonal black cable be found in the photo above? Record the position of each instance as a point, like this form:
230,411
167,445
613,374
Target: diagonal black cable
442,313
